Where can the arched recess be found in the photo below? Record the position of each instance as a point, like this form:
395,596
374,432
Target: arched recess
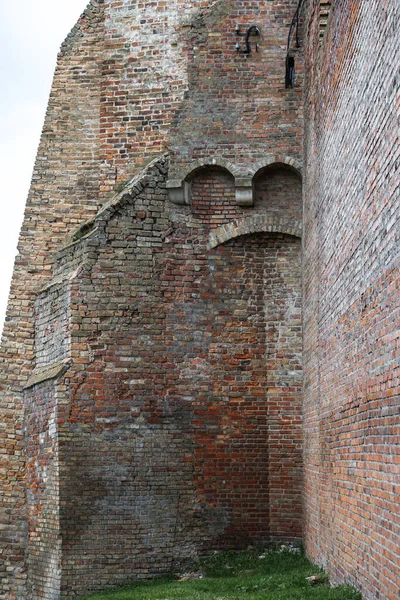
253,224
277,190
179,188
247,319
273,159
212,194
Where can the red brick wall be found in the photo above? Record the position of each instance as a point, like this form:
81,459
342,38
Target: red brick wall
351,296
146,305
277,191
248,412
212,196
131,80
183,429
237,107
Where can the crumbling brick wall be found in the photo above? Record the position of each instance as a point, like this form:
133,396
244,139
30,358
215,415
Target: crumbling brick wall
179,428
131,81
64,191
351,295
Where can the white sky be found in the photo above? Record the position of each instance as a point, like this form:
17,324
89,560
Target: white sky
31,32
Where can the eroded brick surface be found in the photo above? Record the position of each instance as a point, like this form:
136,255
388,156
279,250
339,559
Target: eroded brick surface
157,348
183,429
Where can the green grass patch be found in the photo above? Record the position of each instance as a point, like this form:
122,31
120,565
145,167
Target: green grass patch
254,575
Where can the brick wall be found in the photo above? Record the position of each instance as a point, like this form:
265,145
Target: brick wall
131,80
64,191
181,359
42,477
172,79
236,107
52,325
179,424
144,80
351,296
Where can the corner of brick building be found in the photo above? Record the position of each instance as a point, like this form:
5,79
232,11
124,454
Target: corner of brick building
116,90
163,378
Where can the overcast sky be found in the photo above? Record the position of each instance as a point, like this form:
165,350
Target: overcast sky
31,32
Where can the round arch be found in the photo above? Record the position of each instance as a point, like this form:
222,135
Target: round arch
255,224
197,165
277,159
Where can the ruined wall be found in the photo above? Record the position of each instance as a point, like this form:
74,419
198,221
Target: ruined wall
133,80
351,295
64,191
179,423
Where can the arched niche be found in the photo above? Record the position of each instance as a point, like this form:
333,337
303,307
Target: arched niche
277,190
245,180
211,191
179,189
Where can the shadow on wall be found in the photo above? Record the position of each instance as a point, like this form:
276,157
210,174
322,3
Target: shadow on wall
277,189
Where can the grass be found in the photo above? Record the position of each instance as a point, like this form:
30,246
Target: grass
253,575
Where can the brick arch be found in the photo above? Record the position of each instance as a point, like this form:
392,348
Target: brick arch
179,187
256,224
276,159
200,163
207,161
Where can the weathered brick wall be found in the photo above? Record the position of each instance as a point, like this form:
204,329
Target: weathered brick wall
247,423
64,192
42,478
180,431
52,326
144,79
277,191
178,423
182,358
351,295
131,80
172,80
237,107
